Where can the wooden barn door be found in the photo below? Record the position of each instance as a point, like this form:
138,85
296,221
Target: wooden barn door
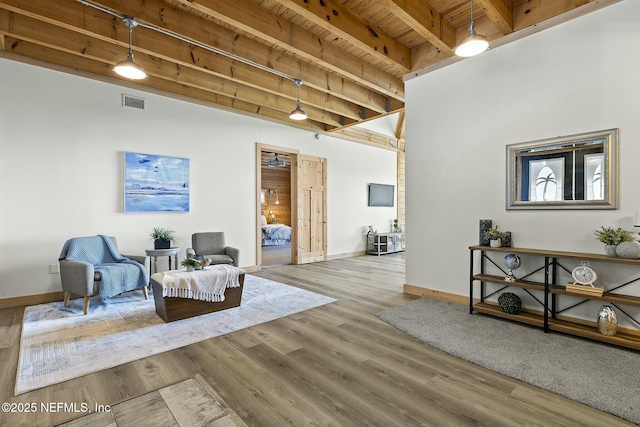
312,209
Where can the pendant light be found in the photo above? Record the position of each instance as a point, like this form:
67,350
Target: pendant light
276,163
298,113
473,44
128,68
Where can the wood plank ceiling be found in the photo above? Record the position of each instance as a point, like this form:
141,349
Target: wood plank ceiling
351,55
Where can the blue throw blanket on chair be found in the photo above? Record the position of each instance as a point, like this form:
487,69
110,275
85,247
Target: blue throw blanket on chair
119,274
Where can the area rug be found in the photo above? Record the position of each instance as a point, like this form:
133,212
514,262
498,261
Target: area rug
601,376
60,343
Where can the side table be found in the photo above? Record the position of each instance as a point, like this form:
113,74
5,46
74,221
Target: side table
155,253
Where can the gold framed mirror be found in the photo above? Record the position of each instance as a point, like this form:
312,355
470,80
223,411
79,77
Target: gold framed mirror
568,172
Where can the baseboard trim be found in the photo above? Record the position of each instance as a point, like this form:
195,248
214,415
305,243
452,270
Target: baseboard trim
444,296
346,255
30,300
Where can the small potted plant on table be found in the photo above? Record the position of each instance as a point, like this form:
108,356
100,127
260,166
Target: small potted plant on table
612,238
191,264
494,236
162,237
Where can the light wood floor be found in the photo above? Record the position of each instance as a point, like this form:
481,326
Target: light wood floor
185,404
335,365
276,255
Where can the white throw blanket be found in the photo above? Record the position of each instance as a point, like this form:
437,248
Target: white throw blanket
207,284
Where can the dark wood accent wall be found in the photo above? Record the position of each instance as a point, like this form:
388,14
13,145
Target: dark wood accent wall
277,179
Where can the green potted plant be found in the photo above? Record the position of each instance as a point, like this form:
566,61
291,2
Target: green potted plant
191,264
162,237
494,236
612,238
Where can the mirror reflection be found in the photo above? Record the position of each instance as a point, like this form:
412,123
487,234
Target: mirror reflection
569,172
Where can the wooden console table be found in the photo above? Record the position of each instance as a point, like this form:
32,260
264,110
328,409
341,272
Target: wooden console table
551,290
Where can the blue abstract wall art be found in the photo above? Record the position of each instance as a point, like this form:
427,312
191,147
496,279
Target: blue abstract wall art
154,183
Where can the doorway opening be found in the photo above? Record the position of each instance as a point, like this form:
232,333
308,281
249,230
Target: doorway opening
276,205
275,201
291,192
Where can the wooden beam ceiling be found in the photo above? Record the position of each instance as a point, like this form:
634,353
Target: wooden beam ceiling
351,55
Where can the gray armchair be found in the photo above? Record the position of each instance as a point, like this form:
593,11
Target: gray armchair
211,245
92,265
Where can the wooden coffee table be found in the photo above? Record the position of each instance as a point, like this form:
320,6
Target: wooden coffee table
172,308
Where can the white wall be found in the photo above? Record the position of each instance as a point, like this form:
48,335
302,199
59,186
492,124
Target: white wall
62,139
577,77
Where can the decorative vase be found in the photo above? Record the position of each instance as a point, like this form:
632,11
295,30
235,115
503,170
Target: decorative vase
607,321
628,250
485,225
506,239
190,268
162,244
495,243
610,250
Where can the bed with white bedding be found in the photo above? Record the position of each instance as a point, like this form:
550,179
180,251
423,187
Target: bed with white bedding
276,235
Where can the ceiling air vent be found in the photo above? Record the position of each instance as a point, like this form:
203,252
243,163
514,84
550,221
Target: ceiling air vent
129,101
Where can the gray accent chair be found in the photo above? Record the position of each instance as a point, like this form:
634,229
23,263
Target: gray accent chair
211,245
79,278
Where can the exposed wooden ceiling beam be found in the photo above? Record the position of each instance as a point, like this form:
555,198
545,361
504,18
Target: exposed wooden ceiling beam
499,12
400,126
290,37
426,21
527,13
368,137
336,18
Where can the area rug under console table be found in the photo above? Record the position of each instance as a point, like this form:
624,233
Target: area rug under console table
549,291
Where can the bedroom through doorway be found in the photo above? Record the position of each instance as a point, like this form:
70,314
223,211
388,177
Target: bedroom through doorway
275,207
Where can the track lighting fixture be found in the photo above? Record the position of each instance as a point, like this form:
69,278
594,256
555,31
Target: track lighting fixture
128,68
473,44
298,113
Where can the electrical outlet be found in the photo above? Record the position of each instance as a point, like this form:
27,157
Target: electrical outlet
54,268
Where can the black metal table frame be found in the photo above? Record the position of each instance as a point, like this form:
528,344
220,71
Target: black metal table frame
551,265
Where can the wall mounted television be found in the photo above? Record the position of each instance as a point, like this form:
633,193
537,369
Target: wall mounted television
381,195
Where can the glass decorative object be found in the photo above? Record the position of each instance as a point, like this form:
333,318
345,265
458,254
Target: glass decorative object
607,321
